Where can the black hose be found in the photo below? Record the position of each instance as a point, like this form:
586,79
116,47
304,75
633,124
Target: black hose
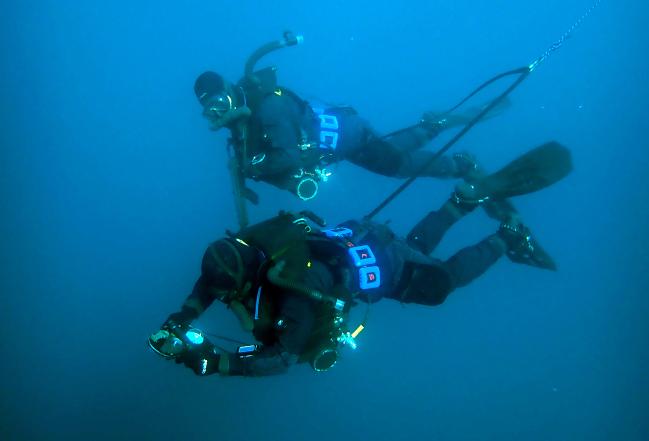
274,277
289,39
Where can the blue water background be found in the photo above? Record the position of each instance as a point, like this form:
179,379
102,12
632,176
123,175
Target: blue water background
112,186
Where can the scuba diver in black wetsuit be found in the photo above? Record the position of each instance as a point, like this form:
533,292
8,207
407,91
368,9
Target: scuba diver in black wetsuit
286,141
292,285
291,144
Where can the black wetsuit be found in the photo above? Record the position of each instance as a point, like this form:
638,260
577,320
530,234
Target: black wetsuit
281,123
285,322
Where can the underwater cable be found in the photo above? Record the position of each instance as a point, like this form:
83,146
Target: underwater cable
522,72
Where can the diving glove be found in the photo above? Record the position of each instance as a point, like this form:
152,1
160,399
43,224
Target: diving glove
203,362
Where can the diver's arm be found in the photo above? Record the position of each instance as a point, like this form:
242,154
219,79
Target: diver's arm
168,340
298,318
277,121
194,305
219,266
297,323
210,283
274,164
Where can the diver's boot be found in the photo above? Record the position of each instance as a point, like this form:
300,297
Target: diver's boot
467,197
435,122
522,247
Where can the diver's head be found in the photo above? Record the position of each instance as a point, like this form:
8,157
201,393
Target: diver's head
230,266
222,102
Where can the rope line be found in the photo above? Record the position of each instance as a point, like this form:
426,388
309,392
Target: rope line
566,35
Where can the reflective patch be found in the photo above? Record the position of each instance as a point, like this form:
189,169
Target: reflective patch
328,129
257,159
329,122
362,255
369,277
329,139
257,303
246,349
338,232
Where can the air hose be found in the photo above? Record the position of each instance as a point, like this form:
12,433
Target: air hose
237,159
289,39
273,275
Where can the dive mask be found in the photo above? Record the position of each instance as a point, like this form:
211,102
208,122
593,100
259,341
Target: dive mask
217,106
221,111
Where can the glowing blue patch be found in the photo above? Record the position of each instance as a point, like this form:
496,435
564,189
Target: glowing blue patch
194,337
338,232
247,349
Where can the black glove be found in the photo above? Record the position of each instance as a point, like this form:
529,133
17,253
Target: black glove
202,362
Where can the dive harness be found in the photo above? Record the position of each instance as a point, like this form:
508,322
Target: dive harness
337,334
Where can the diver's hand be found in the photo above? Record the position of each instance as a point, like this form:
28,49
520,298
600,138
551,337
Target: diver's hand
201,362
175,337
165,343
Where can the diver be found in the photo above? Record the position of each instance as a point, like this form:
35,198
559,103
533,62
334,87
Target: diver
291,144
292,283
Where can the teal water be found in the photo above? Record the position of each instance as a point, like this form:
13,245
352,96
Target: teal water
112,186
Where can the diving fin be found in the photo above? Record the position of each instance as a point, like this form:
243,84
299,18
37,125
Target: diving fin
535,170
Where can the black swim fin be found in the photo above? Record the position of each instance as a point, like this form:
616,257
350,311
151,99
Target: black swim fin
535,170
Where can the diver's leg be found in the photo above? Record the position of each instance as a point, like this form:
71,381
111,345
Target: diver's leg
471,262
444,167
408,144
359,144
428,233
397,155
428,281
